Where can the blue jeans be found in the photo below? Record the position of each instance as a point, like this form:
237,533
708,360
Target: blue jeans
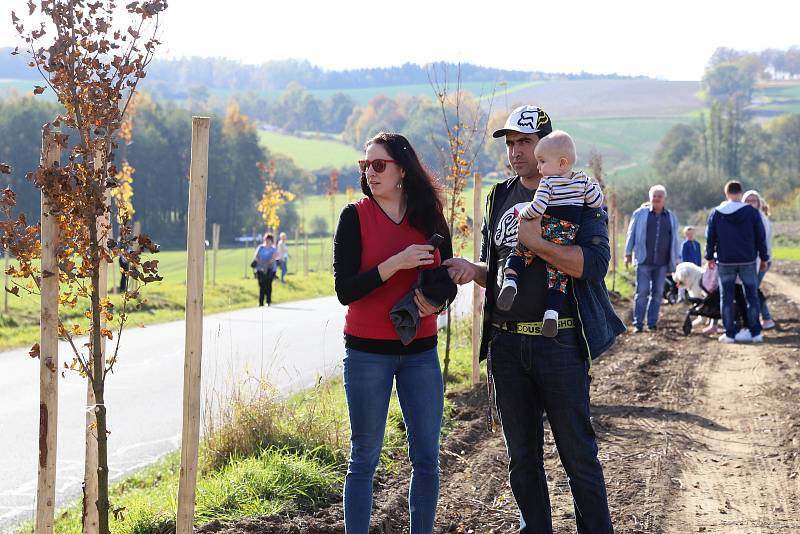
368,385
533,375
649,293
764,308
283,266
727,287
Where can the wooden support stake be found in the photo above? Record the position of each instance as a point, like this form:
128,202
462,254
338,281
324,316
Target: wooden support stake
215,248
477,219
48,354
195,244
305,254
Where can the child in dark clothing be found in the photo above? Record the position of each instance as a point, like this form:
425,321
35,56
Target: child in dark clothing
690,248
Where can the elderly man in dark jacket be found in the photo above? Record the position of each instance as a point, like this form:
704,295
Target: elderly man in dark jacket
533,374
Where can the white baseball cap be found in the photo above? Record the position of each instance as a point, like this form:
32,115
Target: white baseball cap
527,120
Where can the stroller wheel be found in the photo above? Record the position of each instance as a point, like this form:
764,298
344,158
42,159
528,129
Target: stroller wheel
672,297
687,325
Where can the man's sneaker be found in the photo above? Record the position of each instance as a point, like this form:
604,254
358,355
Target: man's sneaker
507,293
550,323
638,329
724,338
767,324
653,328
758,339
743,336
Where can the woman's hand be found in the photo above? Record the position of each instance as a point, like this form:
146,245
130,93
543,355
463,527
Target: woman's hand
425,308
413,256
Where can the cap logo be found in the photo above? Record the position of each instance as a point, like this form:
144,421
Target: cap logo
528,117
543,118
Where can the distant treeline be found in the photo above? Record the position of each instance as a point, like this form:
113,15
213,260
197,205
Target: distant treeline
175,78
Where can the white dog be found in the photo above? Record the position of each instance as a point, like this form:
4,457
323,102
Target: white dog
688,275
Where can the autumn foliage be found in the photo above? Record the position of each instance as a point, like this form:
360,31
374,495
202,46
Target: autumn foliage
93,65
272,197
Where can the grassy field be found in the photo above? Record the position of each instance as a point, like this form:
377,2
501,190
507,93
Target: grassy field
786,253
626,143
778,97
311,154
235,288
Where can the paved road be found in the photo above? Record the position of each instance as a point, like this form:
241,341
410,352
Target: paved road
293,343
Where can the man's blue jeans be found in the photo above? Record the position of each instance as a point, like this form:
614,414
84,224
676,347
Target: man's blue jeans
649,293
748,273
533,375
368,382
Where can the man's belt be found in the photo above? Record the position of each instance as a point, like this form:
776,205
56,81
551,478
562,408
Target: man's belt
533,329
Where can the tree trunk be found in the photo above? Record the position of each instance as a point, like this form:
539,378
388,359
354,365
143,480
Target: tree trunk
98,384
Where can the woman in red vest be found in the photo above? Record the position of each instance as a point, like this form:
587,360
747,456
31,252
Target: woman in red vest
378,248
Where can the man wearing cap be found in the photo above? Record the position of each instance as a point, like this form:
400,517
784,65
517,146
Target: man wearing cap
530,374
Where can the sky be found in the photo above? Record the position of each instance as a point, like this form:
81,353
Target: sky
670,40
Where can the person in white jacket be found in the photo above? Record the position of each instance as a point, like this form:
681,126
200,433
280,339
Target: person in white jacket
754,199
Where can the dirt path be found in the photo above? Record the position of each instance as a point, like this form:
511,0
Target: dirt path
783,285
737,479
744,476
695,436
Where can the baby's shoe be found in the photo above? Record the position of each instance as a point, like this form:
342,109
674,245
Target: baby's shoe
550,323
507,294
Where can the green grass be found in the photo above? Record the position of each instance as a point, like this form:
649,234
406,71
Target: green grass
311,154
165,301
786,253
627,144
779,97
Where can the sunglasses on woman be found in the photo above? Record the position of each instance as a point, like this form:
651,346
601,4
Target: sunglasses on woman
378,165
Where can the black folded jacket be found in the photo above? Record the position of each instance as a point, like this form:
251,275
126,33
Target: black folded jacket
437,287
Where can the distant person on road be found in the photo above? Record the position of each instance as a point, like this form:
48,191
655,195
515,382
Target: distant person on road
265,264
652,245
560,198
735,240
283,255
379,247
754,199
530,374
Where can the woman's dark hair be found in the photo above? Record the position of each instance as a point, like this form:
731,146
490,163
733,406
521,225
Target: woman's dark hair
424,207
269,236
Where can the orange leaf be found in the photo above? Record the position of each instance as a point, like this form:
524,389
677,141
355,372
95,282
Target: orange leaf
34,352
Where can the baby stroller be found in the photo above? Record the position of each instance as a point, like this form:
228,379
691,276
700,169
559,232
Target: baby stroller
710,307
670,290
